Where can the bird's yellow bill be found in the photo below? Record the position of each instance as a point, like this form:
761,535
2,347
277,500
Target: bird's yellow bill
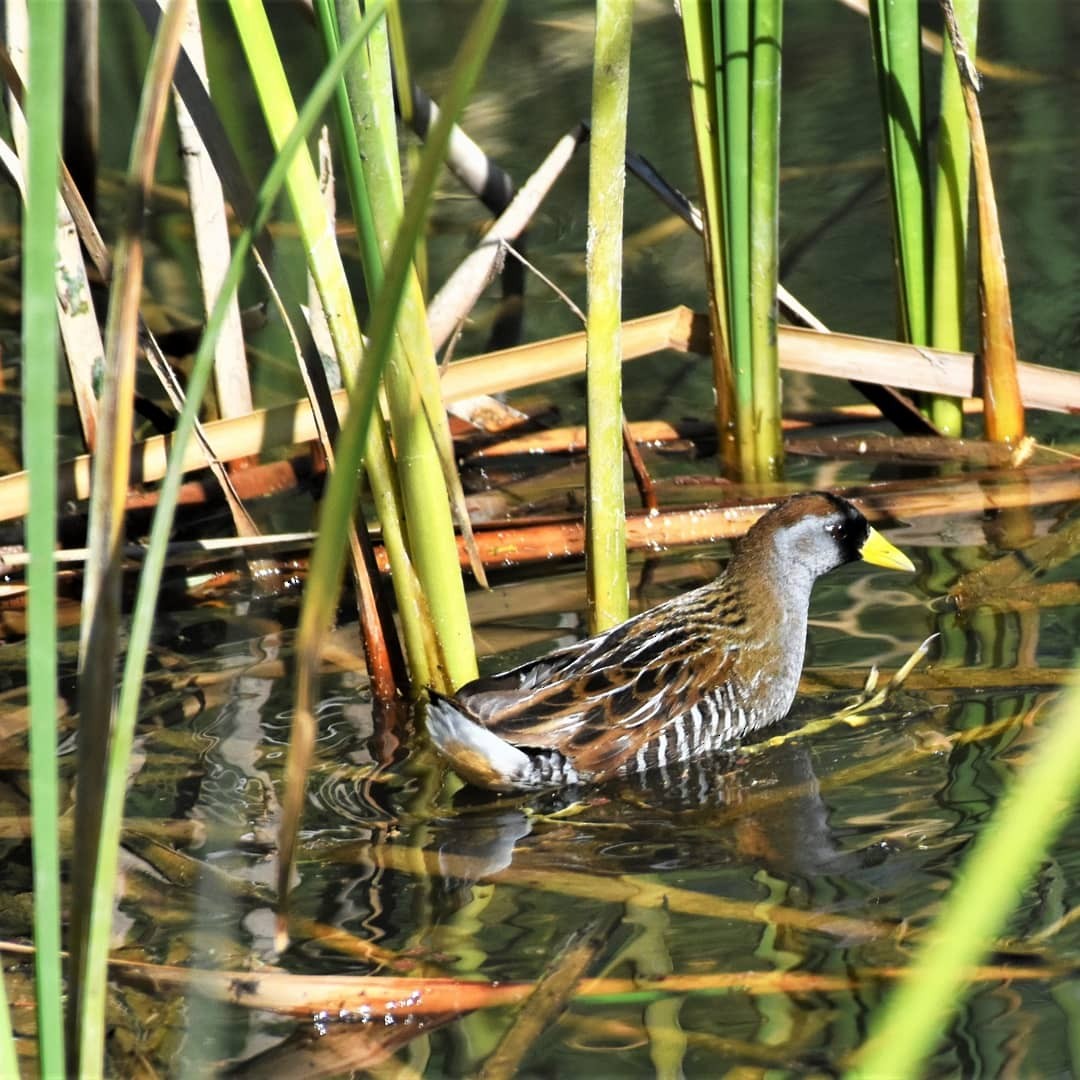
877,550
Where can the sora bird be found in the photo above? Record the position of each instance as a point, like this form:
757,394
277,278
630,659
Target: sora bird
678,681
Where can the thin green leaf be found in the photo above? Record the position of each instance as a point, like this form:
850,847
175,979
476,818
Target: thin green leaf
990,884
44,101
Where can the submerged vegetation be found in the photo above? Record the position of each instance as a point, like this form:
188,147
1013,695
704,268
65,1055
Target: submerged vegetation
396,896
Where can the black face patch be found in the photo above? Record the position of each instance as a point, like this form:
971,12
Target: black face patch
849,530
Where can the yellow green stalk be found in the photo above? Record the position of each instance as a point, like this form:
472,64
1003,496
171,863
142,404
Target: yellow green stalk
606,513
324,259
417,416
731,40
952,187
697,23
764,239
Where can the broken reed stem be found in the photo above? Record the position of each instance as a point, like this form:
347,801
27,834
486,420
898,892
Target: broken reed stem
1003,405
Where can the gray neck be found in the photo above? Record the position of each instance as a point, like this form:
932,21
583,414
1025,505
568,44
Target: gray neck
780,591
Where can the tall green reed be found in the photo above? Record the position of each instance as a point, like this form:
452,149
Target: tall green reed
764,215
44,100
898,63
733,65
606,513
930,240
952,185
336,508
423,447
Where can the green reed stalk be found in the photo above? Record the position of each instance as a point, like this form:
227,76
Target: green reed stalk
952,186
92,1026
43,110
327,559
731,34
422,443
395,28
764,239
348,147
705,98
990,884
605,540
895,32
379,466
733,64
328,271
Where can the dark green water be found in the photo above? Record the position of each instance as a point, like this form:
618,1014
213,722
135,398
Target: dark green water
869,823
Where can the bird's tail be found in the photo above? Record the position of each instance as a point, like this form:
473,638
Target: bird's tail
484,759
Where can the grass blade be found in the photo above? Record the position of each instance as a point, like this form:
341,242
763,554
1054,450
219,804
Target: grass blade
44,106
1005,856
